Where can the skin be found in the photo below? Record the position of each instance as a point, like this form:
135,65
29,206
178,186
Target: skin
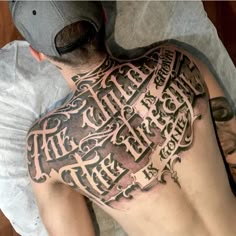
137,139
224,118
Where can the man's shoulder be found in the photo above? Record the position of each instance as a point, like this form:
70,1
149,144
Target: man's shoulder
166,50
40,143
34,141
157,55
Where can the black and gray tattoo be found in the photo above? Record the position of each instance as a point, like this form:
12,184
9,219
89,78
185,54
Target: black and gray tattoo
224,118
124,129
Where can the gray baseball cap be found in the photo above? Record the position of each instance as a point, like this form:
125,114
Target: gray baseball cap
40,21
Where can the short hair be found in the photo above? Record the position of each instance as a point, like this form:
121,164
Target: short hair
77,43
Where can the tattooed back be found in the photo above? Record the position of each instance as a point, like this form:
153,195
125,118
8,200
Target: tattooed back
137,139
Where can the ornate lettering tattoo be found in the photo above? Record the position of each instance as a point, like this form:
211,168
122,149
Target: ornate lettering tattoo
124,129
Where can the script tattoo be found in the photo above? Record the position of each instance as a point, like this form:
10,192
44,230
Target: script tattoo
124,129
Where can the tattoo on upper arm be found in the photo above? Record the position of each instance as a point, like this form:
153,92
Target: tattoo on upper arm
224,118
123,130
221,109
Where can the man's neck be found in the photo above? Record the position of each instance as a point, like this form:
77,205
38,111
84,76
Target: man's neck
69,73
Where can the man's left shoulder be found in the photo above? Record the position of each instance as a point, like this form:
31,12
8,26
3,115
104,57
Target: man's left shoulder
168,50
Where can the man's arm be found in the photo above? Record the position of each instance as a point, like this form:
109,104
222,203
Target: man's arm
63,210
222,115
225,121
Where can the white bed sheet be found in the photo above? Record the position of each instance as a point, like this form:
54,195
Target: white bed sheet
28,89
185,21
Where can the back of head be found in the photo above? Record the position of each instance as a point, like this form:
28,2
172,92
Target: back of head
66,31
78,43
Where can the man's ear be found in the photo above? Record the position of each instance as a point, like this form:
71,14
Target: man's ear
37,55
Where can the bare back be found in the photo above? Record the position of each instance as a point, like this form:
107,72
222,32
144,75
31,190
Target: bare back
137,139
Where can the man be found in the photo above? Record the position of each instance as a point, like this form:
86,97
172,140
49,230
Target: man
136,137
